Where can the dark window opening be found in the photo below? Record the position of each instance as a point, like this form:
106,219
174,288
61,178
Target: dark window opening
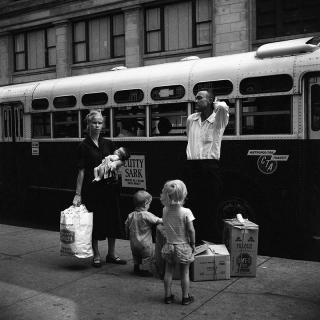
40,104
220,87
64,102
315,107
266,115
94,99
266,84
127,96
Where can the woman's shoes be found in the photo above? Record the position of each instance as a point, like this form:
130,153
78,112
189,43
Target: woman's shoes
96,262
188,300
115,260
169,300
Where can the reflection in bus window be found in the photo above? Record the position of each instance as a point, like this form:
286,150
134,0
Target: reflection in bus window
231,127
65,124
315,107
130,121
105,132
40,123
168,119
266,115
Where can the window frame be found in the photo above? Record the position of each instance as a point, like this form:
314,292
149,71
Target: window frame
161,29
87,40
46,49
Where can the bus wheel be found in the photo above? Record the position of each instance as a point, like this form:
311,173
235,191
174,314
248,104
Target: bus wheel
229,208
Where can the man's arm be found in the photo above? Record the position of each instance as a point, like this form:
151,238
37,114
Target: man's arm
222,114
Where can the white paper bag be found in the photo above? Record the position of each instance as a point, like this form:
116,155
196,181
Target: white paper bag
76,232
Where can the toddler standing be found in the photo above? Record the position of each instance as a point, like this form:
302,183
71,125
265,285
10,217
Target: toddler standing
180,234
139,228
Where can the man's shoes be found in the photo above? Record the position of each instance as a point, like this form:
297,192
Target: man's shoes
96,262
188,300
169,300
115,260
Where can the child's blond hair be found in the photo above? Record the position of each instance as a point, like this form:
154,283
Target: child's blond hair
174,192
141,198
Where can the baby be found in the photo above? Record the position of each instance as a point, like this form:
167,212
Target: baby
110,164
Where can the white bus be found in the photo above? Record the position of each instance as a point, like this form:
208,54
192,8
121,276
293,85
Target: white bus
270,151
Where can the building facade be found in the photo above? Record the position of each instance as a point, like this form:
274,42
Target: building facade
46,39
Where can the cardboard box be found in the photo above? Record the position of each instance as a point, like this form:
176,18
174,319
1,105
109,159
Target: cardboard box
211,264
241,239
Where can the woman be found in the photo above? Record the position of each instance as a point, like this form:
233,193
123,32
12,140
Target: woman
100,197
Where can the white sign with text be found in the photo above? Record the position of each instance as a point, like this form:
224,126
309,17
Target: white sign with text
133,172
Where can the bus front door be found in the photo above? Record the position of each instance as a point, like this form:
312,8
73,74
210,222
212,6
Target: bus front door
12,132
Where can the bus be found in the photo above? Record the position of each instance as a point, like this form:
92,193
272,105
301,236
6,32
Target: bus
270,152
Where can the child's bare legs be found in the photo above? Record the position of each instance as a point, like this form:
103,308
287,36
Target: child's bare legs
96,172
185,281
168,279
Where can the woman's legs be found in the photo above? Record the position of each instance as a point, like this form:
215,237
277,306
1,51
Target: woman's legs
185,281
168,279
95,248
111,247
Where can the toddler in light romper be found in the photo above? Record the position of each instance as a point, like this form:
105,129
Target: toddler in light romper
180,234
139,228
110,164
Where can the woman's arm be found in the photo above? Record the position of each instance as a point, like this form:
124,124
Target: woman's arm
77,197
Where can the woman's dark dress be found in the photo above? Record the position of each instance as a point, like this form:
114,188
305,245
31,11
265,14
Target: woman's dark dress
100,197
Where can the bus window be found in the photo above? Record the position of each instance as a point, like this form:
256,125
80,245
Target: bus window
315,107
130,121
40,104
264,84
168,119
94,99
220,87
64,102
40,125
231,127
65,124
266,115
105,132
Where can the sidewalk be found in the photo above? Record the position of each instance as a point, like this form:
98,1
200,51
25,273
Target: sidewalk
36,283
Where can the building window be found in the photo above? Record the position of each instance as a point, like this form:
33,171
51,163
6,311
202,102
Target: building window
98,38
35,49
278,18
176,26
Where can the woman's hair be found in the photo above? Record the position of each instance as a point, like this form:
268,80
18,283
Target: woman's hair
173,192
94,113
140,198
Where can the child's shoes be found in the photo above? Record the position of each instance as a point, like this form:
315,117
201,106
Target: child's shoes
188,300
169,300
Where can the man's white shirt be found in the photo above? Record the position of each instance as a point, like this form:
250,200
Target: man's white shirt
204,137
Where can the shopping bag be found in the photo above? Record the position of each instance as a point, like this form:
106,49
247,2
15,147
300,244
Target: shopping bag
76,232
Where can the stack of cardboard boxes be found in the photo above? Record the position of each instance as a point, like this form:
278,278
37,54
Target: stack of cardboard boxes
236,257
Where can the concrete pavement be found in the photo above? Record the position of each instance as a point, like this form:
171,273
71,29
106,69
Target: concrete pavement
36,283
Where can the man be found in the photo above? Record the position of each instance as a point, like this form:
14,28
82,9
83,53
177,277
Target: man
205,129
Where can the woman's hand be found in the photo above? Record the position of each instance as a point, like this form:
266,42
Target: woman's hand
76,200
